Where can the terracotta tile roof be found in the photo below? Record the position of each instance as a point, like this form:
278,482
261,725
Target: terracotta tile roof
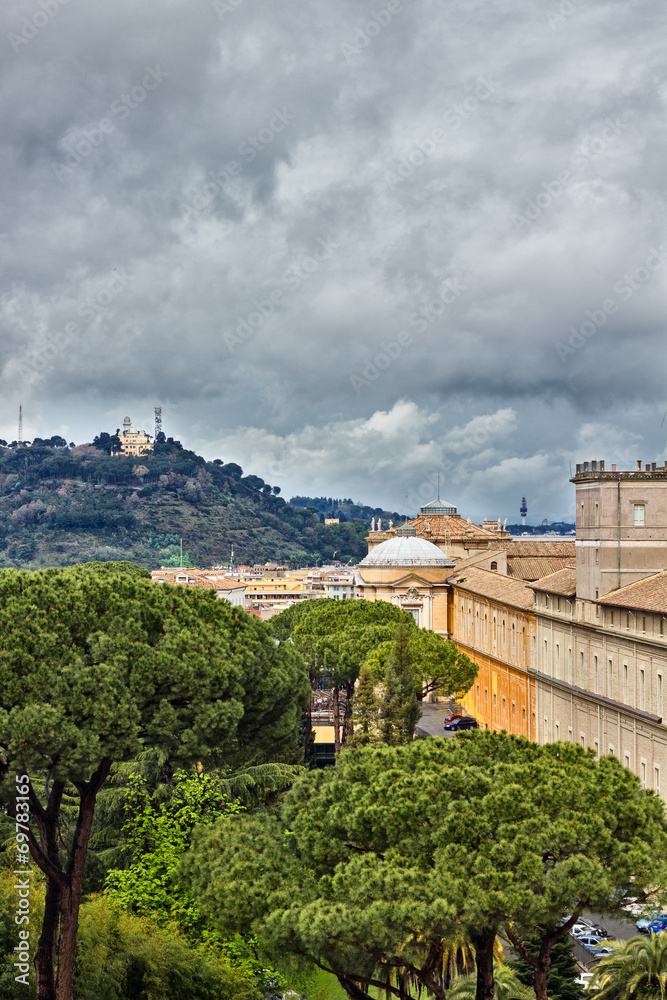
202,579
480,557
494,586
534,568
646,595
540,549
194,579
456,527
563,581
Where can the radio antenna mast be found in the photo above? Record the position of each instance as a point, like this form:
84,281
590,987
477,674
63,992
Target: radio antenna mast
19,440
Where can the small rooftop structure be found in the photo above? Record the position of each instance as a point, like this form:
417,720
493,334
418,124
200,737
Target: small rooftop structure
438,506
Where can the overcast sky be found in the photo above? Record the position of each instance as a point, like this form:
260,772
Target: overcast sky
347,245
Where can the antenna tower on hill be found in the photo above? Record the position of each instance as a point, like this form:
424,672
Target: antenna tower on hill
19,440
158,421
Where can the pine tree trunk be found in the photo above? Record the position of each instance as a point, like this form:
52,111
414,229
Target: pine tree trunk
348,728
70,899
541,983
309,713
48,823
46,947
336,720
483,945
542,967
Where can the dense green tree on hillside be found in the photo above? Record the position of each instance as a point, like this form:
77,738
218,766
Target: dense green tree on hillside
373,865
96,664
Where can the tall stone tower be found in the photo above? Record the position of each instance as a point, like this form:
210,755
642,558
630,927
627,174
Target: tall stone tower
621,526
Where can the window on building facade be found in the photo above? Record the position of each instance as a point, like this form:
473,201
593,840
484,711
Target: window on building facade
597,515
659,694
558,603
486,697
569,665
597,606
643,624
583,739
595,668
494,566
662,626
557,732
611,751
581,668
494,626
557,664
639,515
546,655
597,557
627,620
643,775
627,760
597,749
656,778
581,515
610,679
625,682
642,690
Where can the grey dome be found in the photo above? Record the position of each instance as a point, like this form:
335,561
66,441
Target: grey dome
406,551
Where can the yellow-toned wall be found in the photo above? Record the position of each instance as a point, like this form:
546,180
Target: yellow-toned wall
503,695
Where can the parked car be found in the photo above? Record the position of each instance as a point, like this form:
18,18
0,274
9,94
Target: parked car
459,723
660,924
590,940
603,949
583,979
642,924
456,713
581,928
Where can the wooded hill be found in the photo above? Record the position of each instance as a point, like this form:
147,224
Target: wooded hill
62,504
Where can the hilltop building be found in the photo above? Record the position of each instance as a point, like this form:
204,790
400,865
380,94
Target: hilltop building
134,442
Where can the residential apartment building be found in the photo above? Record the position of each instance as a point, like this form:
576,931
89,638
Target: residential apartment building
229,590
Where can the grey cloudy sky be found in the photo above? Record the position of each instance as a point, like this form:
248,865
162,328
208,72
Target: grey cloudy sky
347,245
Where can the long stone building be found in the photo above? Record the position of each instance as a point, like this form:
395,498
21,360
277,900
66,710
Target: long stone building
570,638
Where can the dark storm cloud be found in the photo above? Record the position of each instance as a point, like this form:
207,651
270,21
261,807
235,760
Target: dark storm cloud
281,219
